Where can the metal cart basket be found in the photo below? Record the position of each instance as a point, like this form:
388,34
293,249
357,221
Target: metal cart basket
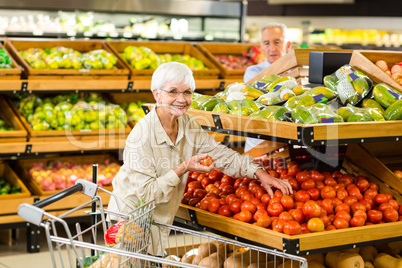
86,247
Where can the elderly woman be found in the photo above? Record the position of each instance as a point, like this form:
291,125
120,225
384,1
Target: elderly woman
168,143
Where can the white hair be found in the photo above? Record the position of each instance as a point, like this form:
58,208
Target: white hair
276,25
172,72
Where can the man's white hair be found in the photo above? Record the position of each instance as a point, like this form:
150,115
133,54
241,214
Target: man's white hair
276,25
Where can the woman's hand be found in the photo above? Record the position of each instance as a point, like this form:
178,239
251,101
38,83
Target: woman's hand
194,164
268,181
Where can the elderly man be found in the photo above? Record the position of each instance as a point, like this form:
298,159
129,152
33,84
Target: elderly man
274,44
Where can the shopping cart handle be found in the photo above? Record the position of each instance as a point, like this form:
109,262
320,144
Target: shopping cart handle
60,195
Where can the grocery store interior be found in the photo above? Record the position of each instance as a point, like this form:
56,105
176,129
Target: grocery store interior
75,79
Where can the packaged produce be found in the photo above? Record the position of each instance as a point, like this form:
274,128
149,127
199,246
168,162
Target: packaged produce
198,100
394,112
314,114
240,89
352,86
355,114
385,95
370,103
265,81
209,105
242,107
311,96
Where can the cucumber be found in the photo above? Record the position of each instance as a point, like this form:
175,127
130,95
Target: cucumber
394,112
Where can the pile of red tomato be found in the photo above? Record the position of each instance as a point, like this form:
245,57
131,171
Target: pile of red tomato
320,201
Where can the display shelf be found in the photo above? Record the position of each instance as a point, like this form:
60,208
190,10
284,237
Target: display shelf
297,134
311,243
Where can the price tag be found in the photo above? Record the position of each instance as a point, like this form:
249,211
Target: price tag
114,34
88,34
393,94
320,98
101,34
352,77
327,120
37,33
127,35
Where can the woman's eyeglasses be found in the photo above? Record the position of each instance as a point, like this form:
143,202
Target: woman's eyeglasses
175,94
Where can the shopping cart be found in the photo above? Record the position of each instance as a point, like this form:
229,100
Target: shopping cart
184,248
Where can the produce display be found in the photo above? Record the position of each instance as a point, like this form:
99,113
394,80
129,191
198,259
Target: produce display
58,175
4,126
233,62
320,201
5,61
134,110
395,71
71,112
141,58
7,188
68,58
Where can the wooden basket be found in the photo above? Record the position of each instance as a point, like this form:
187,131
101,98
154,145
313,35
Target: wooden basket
10,74
9,175
161,48
25,164
15,45
312,242
364,60
211,50
57,134
19,134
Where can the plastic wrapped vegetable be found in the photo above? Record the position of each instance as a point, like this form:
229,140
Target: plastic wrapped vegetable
111,233
394,111
385,95
242,107
355,114
247,91
314,114
265,81
310,97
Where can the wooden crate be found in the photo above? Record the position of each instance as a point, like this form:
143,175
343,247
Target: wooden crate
312,242
10,176
211,50
66,134
15,45
161,48
19,134
10,74
364,60
25,164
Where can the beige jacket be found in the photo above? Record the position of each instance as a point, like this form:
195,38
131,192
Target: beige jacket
150,157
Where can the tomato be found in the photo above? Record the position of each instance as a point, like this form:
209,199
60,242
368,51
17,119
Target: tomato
253,187
259,213
259,193
205,182
373,185
298,215
248,205
273,173
186,197
192,186
338,187
307,184
246,196
217,184
227,179
292,228
366,204
193,175
319,185
311,209
330,181
371,193
345,180
264,221
337,174
281,170
214,205
239,191
225,211
274,209
215,175
340,223
209,187
361,213
301,177
277,225
336,201
235,206
215,191
380,198
362,184
237,182
400,209
374,216
302,196
293,170
314,193
287,202
369,200
342,206
285,215
299,204
389,196
317,176
343,214
354,191
236,216
212,195
207,161
384,206
331,217
342,194
356,206
200,193
356,221
279,162
275,199
261,205
227,188
304,229
330,227
295,185
394,204
265,198
390,215
201,176
230,198
328,192
315,225
350,200
328,205
245,216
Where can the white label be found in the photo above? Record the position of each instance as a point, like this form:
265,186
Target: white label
345,90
